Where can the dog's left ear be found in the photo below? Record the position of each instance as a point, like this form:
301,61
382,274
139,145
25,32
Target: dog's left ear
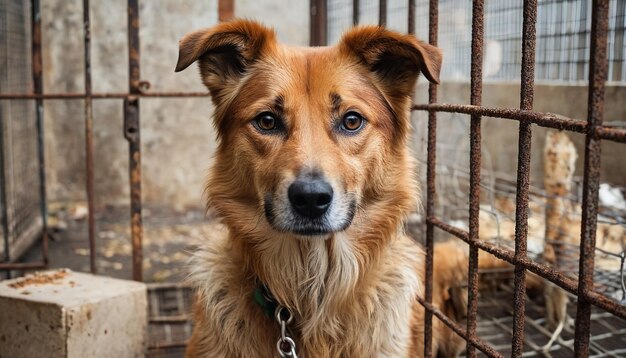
396,59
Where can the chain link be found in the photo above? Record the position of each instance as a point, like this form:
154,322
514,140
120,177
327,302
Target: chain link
285,344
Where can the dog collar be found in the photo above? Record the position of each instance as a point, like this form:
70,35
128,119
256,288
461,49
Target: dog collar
263,298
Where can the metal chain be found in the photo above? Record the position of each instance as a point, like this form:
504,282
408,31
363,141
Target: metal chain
285,344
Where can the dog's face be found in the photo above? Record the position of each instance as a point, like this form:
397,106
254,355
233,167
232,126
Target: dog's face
309,137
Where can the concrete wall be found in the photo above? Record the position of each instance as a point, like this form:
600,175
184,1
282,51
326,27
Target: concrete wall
177,137
500,137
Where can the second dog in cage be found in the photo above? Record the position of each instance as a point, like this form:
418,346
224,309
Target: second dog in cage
313,180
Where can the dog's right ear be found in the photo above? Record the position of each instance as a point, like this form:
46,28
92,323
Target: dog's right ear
224,52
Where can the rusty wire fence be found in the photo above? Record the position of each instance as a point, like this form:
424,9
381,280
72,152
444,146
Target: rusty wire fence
583,288
501,327
137,89
591,305
26,209
595,133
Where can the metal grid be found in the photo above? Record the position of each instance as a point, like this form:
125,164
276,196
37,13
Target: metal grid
563,30
593,129
21,204
495,310
169,327
522,48
138,89
496,319
582,288
498,195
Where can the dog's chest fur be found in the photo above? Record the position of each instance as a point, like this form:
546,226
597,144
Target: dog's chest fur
343,307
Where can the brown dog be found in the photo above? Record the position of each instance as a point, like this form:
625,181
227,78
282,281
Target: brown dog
313,180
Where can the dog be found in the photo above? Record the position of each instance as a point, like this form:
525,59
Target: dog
313,180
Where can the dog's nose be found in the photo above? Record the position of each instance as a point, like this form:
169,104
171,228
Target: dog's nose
310,197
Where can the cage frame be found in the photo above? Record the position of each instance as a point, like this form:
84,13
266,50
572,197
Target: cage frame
137,88
594,133
593,129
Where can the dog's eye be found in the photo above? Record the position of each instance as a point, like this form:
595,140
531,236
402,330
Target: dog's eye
352,122
266,121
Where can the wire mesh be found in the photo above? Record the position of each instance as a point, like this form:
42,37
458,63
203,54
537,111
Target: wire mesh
563,33
608,333
19,134
497,211
497,226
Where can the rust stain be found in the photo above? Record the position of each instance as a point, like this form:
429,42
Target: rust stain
105,95
136,226
226,10
136,156
134,54
135,71
136,175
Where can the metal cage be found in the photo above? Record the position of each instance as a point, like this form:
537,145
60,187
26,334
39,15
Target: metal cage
595,132
593,129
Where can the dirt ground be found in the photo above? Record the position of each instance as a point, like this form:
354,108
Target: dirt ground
169,238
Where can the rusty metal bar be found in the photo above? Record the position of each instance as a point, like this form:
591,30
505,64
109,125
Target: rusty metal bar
431,189
477,342
89,139
159,346
612,134
132,131
548,120
37,70
106,95
547,272
591,180
23,266
226,10
382,12
542,119
169,319
523,174
318,31
4,202
411,24
476,82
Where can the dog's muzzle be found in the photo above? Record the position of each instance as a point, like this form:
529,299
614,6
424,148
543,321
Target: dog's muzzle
310,205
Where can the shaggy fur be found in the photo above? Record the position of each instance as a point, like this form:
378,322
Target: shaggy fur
352,290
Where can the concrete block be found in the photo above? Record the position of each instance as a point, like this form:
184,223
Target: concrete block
68,314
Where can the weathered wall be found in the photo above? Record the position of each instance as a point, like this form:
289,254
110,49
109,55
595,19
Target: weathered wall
177,138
